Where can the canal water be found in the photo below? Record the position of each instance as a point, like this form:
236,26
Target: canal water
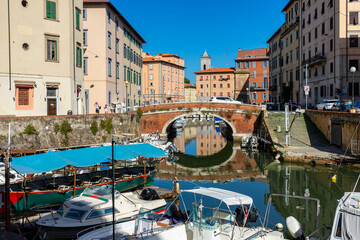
208,159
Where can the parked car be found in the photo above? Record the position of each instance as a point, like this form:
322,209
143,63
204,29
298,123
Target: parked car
224,100
326,104
342,105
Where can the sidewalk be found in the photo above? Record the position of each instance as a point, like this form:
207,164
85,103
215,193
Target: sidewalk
307,142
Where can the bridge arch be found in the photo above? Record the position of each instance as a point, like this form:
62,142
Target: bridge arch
187,114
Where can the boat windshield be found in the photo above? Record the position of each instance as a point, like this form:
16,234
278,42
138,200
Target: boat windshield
75,213
103,191
207,218
62,209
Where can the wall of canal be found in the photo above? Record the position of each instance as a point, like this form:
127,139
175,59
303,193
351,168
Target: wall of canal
50,132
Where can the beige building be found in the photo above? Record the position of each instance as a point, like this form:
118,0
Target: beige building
113,57
163,76
290,59
275,73
330,47
41,68
190,92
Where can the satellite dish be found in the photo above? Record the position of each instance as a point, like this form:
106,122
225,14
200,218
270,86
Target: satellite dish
294,228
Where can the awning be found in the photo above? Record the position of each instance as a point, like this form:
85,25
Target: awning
84,157
228,197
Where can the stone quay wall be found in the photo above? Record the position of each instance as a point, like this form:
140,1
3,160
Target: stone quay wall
53,132
348,122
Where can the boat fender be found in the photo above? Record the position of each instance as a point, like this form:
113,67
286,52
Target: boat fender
240,215
253,215
149,194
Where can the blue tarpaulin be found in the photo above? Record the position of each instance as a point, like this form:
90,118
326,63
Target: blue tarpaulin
83,157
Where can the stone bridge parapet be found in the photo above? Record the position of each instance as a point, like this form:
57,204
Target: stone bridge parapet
241,118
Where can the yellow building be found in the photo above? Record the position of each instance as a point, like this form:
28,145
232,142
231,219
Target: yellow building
163,78
190,92
113,61
41,66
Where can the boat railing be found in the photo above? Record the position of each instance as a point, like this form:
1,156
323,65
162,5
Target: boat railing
211,218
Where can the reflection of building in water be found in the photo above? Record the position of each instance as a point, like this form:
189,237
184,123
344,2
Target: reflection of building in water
239,165
188,134
208,140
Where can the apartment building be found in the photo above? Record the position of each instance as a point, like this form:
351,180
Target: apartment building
329,48
275,66
163,78
290,55
41,69
113,57
256,61
189,92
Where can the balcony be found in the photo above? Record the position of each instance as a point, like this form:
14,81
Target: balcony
253,89
224,79
273,88
315,60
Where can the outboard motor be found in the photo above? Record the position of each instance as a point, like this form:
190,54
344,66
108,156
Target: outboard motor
294,228
149,194
242,211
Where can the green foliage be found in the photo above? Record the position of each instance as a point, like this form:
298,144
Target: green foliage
56,128
64,129
94,128
139,115
2,137
106,125
186,80
30,130
104,138
180,108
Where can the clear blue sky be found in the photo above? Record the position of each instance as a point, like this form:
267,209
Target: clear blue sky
188,27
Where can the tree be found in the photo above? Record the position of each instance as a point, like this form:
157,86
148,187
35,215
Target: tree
186,80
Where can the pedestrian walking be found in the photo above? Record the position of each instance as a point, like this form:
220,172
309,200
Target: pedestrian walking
97,108
112,108
106,109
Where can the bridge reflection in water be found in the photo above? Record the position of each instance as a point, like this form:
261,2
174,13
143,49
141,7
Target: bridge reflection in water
256,175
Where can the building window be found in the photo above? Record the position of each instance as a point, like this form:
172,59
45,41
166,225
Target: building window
309,37
265,96
51,9
254,74
331,23
201,86
221,94
323,28
214,85
151,77
117,70
254,64
316,33
265,74
331,45
117,23
52,48
151,66
108,16
117,45
85,65
85,33
354,18
331,90
109,67
78,55
221,86
77,18
109,40
331,67
354,41
84,14
23,96
228,85
254,96
354,63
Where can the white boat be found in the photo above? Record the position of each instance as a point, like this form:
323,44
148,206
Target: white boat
203,223
347,218
94,207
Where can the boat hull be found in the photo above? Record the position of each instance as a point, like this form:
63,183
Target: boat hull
62,233
22,202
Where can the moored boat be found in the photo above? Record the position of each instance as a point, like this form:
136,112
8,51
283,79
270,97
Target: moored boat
93,208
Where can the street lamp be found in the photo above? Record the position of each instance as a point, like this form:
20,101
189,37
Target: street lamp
126,99
353,70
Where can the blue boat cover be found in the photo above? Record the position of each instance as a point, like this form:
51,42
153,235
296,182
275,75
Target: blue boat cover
83,157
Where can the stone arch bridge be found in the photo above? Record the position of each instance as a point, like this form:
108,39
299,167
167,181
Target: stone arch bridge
240,118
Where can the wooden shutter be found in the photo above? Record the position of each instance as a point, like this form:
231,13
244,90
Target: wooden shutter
48,9
77,19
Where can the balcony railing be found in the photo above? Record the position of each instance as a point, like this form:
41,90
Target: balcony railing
253,89
318,58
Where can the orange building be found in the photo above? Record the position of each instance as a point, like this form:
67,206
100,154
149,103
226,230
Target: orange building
257,62
215,82
163,78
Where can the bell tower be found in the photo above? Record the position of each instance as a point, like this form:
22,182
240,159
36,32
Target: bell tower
205,61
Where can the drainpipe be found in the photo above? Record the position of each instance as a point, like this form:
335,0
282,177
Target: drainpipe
74,56
347,43
9,45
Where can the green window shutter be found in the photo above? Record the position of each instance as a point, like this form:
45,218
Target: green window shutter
53,10
77,19
139,80
48,9
80,57
124,74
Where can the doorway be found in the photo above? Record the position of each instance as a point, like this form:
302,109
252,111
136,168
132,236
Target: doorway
51,106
